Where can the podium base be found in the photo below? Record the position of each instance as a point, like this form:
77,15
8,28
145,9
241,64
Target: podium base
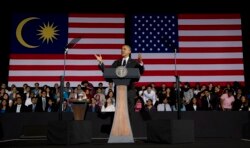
121,139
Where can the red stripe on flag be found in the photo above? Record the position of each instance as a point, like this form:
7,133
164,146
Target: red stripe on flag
210,38
99,46
96,35
209,49
193,72
96,15
209,16
52,67
55,78
209,27
95,25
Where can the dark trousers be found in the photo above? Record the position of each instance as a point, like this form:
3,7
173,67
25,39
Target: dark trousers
131,100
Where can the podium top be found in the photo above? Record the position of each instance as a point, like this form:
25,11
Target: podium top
132,73
80,101
114,74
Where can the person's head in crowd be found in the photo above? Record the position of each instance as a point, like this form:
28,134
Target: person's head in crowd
79,87
168,90
5,96
149,102
100,84
36,85
110,84
3,86
194,100
93,101
25,85
210,85
28,89
99,90
67,84
165,100
109,101
43,94
207,93
244,100
50,102
87,91
85,83
45,87
163,86
4,103
149,88
19,100
48,89
34,100
203,87
110,94
56,85
186,85
197,85
230,93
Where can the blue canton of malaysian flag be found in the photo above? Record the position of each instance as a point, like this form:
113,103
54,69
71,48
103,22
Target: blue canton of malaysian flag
155,33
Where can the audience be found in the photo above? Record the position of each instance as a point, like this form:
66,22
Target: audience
209,97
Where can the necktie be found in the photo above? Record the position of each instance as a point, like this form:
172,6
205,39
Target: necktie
33,107
124,63
165,107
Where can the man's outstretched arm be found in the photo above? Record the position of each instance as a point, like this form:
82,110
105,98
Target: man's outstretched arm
99,59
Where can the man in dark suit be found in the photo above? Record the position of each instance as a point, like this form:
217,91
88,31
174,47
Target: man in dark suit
129,63
19,107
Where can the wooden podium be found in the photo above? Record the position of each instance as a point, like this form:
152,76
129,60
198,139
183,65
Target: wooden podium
121,131
79,109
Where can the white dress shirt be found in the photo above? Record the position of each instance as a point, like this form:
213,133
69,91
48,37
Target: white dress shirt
18,108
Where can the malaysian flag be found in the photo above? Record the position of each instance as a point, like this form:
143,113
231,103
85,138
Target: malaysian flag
39,41
207,48
204,48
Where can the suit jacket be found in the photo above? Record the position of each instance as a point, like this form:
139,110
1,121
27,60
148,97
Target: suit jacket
23,108
130,64
97,108
37,109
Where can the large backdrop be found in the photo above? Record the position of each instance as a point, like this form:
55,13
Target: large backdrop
199,41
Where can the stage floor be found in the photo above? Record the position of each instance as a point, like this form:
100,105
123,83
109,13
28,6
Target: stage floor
102,143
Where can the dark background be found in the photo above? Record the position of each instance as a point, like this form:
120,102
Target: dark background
8,7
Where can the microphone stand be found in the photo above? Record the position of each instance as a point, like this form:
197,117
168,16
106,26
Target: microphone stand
177,79
62,85
71,44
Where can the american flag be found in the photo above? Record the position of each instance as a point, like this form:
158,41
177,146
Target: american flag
208,48
205,48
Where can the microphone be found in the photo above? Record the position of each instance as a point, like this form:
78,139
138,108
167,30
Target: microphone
66,50
71,44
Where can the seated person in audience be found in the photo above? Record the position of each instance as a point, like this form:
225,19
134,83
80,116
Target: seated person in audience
34,107
93,107
175,107
139,104
4,106
227,100
65,106
108,106
244,104
43,100
51,107
19,107
149,94
193,105
164,106
149,106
